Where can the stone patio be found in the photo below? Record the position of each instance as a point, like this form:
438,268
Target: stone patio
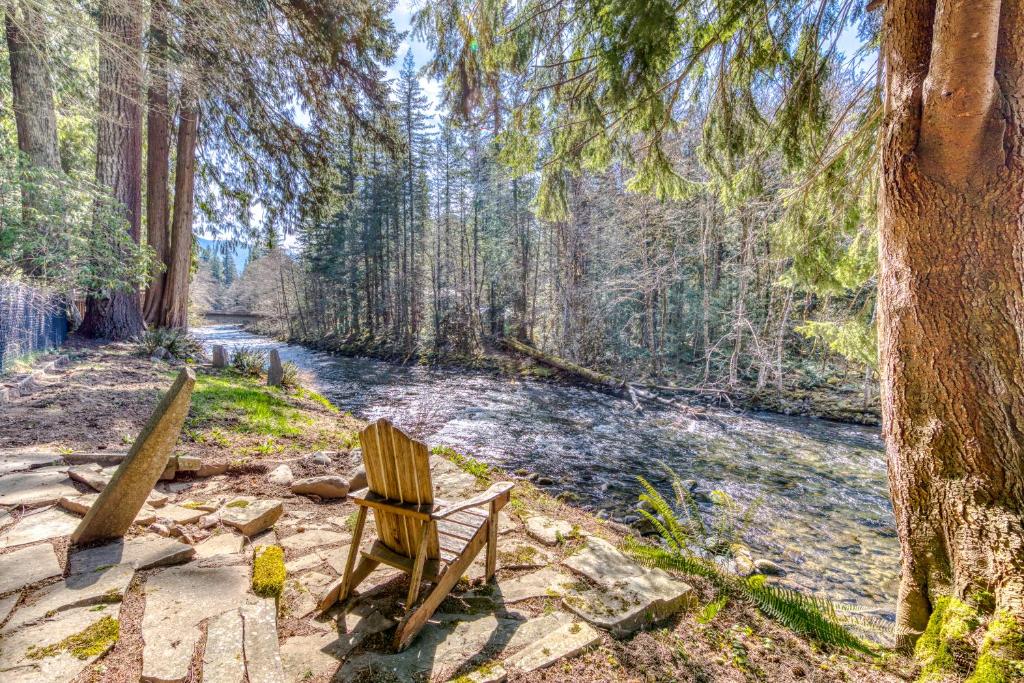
557,591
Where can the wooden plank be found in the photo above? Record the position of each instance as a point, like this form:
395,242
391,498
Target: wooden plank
417,567
492,541
371,499
385,555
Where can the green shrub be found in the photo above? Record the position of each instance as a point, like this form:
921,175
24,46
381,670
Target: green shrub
178,343
249,361
268,572
290,375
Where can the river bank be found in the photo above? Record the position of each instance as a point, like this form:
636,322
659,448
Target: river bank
834,398
249,431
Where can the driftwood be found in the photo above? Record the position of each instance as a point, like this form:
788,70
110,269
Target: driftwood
636,392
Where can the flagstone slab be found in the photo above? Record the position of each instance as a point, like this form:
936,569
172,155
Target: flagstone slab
454,645
35,488
92,475
177,599
546,582
262,656
13,461
304,657
313,538
81,503
39,526
227,543
307,561
31,564
141,552
7,605
102,586
252,517
548,531
566,641
628,595
17,666
180,515
224,656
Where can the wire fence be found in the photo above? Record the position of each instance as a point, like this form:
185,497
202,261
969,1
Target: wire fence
31,320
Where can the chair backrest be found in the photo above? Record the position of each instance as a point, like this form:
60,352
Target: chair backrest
398,468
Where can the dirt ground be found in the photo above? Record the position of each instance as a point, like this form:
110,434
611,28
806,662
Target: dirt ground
107,393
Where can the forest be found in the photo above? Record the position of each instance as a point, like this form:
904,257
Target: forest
781,203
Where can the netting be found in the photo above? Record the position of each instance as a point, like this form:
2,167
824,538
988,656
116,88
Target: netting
30,320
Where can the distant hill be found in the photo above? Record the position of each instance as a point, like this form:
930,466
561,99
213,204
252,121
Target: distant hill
240,252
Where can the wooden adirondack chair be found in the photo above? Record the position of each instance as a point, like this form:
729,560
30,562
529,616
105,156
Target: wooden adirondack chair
425,537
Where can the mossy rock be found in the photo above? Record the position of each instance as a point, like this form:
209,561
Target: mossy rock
86,644
268,572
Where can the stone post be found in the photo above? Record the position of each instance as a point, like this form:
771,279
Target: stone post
118,504
220,356
276,371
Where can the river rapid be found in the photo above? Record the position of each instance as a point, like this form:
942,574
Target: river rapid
824,513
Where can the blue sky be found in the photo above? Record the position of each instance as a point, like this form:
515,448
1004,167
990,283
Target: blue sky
402,16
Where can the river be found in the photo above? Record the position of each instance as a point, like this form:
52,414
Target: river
824,513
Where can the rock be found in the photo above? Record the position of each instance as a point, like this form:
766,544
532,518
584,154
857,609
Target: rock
767,567
91,475
220,356
5,395
209,521
170,470
49,523
548,531
81,503
325,486
628,596
275,371
78,590
212,469
358,480
27,460
160,353
544,481
177,599
176,514
160,528
7,605
281,475
224,658
304,657
36,488
221,544
491,672
565,641
188,463
141,552
313,538
22,567
253,516
262,657
19,664
131,484
321,458
440,651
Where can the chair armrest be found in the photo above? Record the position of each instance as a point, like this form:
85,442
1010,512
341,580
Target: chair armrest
495,491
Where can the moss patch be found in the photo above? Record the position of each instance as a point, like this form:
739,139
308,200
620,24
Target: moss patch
241,503
952,621
268,572
1002,652
91,642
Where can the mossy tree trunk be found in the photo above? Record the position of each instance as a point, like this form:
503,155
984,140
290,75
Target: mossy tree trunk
951,299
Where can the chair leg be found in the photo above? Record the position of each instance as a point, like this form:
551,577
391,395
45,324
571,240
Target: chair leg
417,568
353,550
492,541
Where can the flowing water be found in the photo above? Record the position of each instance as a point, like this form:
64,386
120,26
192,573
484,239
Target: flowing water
824,514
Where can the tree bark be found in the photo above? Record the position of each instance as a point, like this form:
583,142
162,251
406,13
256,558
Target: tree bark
36,121
951,300
175,296
158,147
118,314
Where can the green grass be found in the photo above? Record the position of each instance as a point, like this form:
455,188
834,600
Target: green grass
257,409
466,463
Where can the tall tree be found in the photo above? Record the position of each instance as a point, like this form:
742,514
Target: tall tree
36,120
117,314
158,149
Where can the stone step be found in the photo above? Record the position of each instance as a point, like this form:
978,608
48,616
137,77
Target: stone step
566,641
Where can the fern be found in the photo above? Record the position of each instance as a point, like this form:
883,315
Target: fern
815,617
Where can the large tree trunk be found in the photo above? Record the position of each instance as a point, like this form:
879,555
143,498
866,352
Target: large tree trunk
118,315
951,300
175,299
158,145
36,121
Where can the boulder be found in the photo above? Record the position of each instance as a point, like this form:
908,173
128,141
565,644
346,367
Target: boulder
281,475
321,458
120,502
767,567
275,372
358,480
325,486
